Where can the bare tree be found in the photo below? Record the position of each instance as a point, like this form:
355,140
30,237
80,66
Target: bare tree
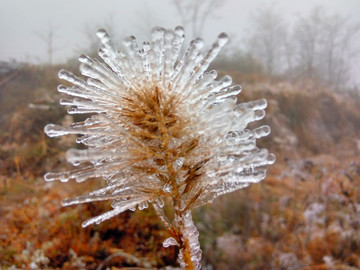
289,54
320,46
268,38
339,49
325,46
48,38
307,36
194,13
332,33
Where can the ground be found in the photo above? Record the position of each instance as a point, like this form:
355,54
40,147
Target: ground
304,215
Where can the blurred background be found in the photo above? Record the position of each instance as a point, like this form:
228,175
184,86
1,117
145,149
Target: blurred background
303,57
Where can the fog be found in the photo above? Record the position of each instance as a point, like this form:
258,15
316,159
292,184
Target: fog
23,22
25,26
158,128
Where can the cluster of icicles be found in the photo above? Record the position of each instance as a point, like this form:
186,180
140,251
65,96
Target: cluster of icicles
161,130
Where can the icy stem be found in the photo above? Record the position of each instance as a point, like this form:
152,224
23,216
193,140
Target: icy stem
190,252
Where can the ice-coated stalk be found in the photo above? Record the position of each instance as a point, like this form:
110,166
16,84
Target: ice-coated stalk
163,130
185,235
190,252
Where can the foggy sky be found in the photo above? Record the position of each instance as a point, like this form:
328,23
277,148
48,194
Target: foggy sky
22,21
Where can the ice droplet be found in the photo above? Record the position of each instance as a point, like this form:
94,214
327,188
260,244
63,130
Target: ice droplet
167,188
103,35
62,176
143,205
54,130
223,38
271,158
178,163
179,30
157,33
170,242
160,202
259,114
262,131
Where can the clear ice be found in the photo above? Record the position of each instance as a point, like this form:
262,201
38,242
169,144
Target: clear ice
161,129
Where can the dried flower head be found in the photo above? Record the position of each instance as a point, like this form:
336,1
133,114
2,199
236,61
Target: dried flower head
162,130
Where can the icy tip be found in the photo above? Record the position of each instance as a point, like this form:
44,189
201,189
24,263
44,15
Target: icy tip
262,131
271,158
157,32
223,39
48,177
262,103
74,156
128,41
101,33
179,29
198,43
213,73
52,130
227,80
51,176
63,73
67,202
85,59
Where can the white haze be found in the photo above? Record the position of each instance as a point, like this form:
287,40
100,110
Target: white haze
23,21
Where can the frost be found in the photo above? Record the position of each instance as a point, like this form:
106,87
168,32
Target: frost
313,212
288,261
162,130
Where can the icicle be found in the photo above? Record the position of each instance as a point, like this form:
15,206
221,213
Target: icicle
87,198
143,205
55,130
262,131
160,202
62,176
78,156
109,214
213,52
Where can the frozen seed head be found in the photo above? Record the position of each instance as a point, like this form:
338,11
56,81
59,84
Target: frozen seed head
161,127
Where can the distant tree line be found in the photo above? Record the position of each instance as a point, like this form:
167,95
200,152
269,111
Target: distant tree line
319,46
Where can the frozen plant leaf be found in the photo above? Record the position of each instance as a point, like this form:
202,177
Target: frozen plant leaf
162,129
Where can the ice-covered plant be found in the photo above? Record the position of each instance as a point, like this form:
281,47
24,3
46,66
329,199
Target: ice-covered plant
162,130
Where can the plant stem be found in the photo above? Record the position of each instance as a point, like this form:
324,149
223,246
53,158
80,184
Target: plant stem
182,228
190,252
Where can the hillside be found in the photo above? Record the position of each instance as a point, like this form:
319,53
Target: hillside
309,121
305,215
